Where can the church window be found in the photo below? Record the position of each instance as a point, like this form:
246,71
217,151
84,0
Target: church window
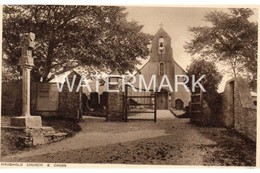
161,45
161,69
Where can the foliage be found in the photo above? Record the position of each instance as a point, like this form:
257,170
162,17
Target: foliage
10,73
210,82
72,36
230,38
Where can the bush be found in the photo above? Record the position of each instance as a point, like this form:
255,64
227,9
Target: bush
210,82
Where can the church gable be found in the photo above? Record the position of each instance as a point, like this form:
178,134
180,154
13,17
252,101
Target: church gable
161,62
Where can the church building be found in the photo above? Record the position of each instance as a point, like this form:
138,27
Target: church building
162,63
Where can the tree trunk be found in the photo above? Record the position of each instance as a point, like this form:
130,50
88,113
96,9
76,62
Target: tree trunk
48,62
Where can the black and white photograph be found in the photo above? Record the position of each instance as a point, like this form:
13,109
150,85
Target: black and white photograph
129,85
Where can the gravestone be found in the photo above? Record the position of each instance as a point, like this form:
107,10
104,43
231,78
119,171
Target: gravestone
94,100
47,97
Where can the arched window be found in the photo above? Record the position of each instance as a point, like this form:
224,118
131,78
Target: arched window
161,69
161,45
161,41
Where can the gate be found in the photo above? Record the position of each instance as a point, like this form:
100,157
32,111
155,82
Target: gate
196,105
139,102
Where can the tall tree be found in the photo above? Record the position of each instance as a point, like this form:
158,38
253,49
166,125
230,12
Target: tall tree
72,36
231,38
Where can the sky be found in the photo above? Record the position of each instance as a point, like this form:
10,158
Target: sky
175,21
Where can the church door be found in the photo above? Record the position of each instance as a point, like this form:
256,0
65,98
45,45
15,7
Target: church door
162,100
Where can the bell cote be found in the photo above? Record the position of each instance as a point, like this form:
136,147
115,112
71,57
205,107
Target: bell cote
161,50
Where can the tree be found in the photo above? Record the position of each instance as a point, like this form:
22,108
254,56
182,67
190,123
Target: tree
210,82
9,73
71,36
230,39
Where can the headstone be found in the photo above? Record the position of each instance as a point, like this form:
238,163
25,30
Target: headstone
47,97
94,100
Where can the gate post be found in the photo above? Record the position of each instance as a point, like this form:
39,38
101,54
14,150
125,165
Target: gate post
126,103
155,106
115,101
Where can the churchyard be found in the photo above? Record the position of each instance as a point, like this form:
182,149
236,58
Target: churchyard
54,111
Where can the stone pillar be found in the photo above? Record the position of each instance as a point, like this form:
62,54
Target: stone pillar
27,45
26,91
115,99
115,107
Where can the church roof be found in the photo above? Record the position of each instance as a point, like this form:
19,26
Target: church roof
160,31
179,66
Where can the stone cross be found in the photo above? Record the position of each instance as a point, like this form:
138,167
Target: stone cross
27,45
161,25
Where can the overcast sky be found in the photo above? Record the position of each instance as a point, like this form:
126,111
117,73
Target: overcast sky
176,21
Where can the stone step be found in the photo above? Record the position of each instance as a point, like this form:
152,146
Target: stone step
177,113
55,137
34,136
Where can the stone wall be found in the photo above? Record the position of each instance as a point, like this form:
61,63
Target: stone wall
69,102
227,118
239,111
11,98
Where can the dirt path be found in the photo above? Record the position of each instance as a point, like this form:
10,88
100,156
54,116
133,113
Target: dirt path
169,141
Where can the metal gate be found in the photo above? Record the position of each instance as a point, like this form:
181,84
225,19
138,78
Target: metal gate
145,99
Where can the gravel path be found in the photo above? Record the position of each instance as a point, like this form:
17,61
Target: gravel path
169,141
